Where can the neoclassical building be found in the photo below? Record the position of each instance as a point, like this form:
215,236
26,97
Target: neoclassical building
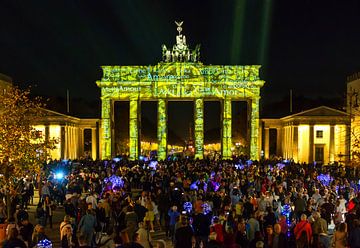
68,131
319,135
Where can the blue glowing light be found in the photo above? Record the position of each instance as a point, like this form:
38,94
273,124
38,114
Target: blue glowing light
206,208
194,186
45,243
280,166
325,179
116,159
116,181
187,207
59,175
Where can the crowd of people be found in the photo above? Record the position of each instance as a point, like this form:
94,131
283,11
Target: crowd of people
195,203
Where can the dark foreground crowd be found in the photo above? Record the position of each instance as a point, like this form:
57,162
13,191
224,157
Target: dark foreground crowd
199,203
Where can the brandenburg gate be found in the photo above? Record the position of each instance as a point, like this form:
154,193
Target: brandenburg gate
180,76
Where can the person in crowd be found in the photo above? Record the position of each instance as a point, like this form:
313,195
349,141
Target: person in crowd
13,241
149,216
87,226
66,228
26,230
279,238
49,208
131,221
184,235
217,227
40,214
105,239
144,237
38,235
45,191
340,238
354,235
11,223
173,214
318,227
213,243
240,235
303,232
253,227
201,224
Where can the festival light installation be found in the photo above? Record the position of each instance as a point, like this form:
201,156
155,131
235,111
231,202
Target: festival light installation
187,207
325,179
45,243
180,76
116,182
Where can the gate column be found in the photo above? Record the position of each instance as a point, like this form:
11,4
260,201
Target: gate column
134,129
162,129
199,128
105,128
254,134
226,129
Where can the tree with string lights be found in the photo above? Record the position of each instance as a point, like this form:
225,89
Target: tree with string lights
23,149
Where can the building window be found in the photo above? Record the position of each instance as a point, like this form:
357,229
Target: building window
319,134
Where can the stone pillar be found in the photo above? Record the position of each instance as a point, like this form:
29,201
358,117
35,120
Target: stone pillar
106,129
278,142
81,142
226,129
348,144
332,144
134,130
311,143
295,142
267,142
254,136
162,129
62,142
199,128
93,143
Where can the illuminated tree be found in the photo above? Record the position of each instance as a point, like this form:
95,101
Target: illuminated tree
23,149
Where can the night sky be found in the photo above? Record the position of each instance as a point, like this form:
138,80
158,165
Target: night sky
309,46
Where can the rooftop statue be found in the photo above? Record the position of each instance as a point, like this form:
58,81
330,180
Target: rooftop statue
180,51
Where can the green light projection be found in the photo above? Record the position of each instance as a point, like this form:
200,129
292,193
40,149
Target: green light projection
226,129
133,129
181,76
199,128
254,135
180,81
106,129
162,128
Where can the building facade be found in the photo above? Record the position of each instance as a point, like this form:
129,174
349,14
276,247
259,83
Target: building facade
319,135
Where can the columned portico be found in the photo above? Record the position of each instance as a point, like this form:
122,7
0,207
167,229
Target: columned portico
199,128
106,128
162,128
180,77
134,129
254,135
226,129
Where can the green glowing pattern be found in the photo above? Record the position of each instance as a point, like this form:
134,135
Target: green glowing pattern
226,130
199,128
162,129
254,136
180,81
133,129
106,133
